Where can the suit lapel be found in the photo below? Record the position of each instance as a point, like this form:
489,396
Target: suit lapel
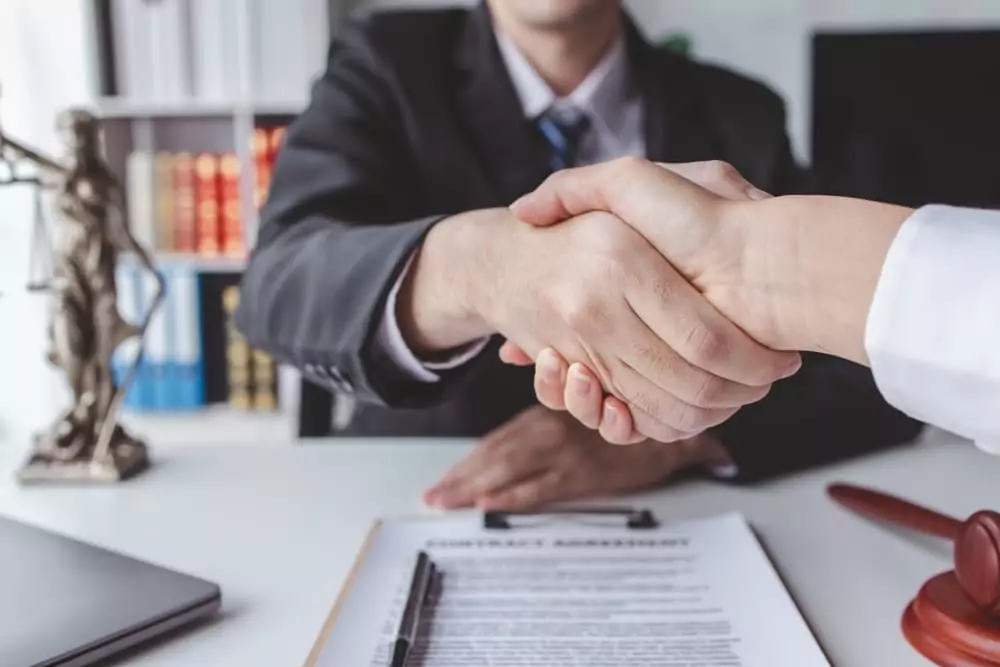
507,145
676,129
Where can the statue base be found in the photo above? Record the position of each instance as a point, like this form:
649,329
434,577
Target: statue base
128,457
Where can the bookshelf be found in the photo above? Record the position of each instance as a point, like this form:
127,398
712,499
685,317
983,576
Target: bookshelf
193,78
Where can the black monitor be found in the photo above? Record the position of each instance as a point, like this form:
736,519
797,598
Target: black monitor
908,117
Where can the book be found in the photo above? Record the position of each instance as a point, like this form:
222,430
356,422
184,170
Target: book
127,289
155,389
187,352
260,146
264,386
291,38
215,50
237,353
185,212
232,228
164,195
208,194
276,138
140,197
169,46
131,29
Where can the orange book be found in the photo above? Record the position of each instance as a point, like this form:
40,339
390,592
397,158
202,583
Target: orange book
261,146
207,195
185,215
232,228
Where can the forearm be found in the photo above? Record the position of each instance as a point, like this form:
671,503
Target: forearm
313,291
437,308
809,270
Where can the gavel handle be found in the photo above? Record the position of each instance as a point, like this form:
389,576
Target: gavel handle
878,505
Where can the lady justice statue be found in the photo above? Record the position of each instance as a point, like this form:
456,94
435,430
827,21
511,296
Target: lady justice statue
86,443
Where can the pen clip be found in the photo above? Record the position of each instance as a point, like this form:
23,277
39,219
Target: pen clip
635,519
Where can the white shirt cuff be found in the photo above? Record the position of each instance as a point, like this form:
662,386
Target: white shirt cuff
932,329
390,340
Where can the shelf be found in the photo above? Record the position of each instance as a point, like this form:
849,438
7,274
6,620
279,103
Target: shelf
123,108
211,425
202,263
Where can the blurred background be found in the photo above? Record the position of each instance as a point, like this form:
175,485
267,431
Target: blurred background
896,100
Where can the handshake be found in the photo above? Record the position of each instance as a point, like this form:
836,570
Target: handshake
654,300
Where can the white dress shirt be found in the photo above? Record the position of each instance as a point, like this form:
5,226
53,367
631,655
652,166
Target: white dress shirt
615,130
933,332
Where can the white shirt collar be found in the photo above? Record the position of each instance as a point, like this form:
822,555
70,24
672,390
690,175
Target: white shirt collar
602,94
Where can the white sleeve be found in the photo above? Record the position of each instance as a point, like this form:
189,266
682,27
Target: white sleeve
933,332
389,338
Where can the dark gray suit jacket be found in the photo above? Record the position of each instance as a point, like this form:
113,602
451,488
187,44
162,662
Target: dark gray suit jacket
415,119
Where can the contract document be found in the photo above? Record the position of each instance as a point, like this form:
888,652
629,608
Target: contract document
560,591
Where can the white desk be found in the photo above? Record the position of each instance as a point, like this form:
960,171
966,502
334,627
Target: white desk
278,529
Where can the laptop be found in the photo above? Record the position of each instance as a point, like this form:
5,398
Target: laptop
65,603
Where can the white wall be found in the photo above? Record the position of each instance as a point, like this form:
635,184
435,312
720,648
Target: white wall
41,72
769,39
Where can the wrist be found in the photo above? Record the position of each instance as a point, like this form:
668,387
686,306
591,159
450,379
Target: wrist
808,271
436,307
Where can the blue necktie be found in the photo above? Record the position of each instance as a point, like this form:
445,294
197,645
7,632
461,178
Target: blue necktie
563,130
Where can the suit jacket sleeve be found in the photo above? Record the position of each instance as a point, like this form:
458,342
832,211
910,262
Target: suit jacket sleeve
831,410
336,232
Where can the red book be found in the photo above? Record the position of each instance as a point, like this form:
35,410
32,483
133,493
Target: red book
232,227
207,195
261,146
185,216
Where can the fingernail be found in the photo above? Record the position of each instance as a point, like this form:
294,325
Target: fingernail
757,194
581,383
518,202
548,365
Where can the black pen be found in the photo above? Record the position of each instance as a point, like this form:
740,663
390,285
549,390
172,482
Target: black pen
406,634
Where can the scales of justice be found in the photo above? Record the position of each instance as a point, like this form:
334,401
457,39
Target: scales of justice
73,259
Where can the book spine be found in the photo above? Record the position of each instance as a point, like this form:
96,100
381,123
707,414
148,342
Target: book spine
127,298
207,195
140,194
188,350
264,382
237,353
276,139
170,48
232,227
156,355
171,389
261,148
185,212
165,198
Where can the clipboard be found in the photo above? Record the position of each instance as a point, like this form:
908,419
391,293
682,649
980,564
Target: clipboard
634,519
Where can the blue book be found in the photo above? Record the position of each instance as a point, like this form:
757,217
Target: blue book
155,357
126,285
188,357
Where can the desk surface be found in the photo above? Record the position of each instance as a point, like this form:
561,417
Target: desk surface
278,529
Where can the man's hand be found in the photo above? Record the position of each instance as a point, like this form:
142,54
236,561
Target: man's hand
541,457
594,289
561,386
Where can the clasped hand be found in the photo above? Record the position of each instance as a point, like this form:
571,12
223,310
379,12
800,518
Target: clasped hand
677,267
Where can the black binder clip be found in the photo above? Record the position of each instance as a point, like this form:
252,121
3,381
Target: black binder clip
635,519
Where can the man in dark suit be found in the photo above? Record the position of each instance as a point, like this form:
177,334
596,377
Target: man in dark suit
387,255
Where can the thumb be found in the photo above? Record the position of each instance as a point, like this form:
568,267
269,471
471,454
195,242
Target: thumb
565,194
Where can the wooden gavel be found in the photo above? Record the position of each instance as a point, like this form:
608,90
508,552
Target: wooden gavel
976,540
954,620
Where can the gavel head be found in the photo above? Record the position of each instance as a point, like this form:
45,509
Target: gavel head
977,560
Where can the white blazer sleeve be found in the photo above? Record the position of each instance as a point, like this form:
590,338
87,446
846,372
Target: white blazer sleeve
933,332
